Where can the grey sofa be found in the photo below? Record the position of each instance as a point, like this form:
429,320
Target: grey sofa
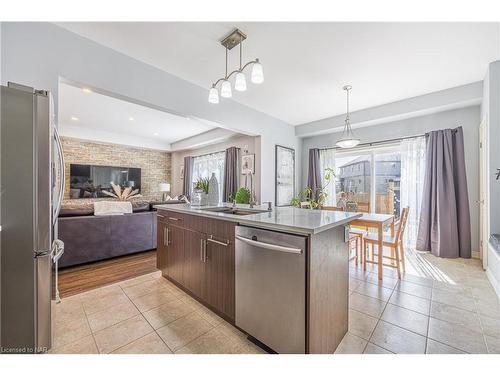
88,238
91,238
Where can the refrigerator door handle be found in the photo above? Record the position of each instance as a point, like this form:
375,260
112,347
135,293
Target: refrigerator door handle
62,182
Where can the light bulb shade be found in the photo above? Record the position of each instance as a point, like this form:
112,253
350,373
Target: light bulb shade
213,96
164,186
347,142
240,84
257,73
225,89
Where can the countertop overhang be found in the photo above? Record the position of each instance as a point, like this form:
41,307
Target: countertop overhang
289,219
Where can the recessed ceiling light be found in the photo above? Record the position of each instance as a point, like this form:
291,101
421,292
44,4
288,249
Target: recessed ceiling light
86,90
155,134
74,118
131,119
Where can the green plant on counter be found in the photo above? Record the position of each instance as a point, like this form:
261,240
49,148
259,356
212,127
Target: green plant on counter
202,184
314,199
242,196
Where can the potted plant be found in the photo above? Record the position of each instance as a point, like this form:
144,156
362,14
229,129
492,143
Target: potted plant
200,192
242,196
314,199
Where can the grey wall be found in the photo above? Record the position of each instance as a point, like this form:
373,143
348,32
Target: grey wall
490,111
468,118
39,54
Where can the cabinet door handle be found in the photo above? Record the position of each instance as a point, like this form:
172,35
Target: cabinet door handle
202,252
173,218
211,239
160,216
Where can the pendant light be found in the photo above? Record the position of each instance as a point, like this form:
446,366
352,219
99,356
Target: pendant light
213,95
225,89
240,84
347,140
257,72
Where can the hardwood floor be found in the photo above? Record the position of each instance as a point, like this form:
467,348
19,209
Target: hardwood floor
73,280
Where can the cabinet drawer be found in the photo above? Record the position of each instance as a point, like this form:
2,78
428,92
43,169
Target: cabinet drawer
220,230
161,216
172,217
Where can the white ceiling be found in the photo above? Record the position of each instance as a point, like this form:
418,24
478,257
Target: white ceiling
93,116
306,64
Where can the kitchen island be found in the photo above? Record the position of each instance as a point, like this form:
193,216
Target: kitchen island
281,275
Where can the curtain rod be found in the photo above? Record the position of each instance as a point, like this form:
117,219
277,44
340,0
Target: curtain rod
384,141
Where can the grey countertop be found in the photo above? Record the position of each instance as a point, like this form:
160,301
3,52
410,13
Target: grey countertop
289,219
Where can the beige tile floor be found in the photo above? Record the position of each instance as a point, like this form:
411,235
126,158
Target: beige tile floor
439,306
147,314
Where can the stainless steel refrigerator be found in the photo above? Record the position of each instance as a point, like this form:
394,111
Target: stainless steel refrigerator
32,186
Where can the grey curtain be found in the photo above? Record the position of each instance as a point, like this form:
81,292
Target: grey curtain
314,176
444,225
188,176
231,173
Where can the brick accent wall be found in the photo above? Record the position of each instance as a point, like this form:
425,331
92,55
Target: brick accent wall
155,165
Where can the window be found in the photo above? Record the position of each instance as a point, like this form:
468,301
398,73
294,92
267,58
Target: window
387,171
285,175
369,179
205,165
327,160
353,179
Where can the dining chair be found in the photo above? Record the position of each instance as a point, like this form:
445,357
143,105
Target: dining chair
395,243
355,236
332,208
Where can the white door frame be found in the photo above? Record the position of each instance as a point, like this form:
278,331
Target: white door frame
484,190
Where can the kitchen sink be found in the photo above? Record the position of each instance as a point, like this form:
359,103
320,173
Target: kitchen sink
233,211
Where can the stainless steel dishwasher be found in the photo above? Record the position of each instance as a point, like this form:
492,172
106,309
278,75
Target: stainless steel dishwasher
271,288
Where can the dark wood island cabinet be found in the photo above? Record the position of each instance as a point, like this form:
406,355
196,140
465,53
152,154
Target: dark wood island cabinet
234,261
197,254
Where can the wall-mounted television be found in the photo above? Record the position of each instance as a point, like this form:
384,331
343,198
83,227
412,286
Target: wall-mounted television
89,181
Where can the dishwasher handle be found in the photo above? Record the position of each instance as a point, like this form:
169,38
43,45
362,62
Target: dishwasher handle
270,246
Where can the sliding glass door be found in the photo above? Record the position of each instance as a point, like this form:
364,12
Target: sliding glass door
353,172
387,181
369,179
380,179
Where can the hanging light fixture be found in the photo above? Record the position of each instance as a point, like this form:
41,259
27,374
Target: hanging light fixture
240,84
347,140
213,95
257,72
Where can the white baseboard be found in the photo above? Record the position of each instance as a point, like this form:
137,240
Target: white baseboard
475,254
493,282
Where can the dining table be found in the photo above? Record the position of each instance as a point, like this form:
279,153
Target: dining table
379,222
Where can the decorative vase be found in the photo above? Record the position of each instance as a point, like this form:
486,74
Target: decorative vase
213,191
